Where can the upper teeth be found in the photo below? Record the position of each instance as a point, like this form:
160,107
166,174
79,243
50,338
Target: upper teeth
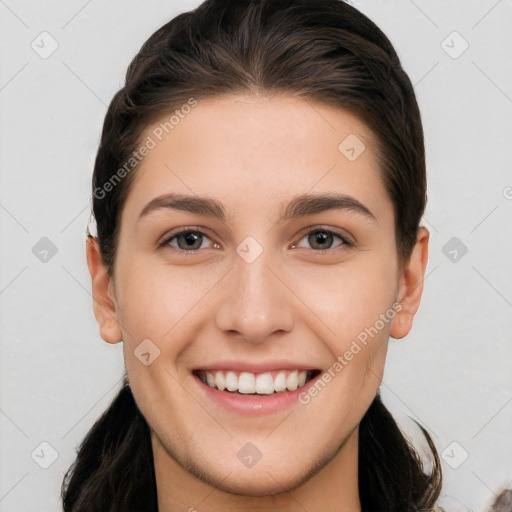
263,383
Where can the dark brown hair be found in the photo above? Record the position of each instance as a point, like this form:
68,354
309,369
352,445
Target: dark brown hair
321,50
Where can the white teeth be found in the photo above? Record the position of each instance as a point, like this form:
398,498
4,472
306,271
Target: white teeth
280,382
220,382
262,383
210,379
246,382
291,381
231,381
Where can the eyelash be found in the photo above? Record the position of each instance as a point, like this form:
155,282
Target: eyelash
166,242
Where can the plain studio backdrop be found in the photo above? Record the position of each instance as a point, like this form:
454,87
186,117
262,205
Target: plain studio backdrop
61,64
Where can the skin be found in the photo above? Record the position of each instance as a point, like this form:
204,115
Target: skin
296,301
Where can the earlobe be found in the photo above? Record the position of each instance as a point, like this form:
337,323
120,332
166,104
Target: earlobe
410,286
102,293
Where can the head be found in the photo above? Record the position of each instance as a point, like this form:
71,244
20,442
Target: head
258,192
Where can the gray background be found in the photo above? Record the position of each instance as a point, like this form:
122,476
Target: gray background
452,373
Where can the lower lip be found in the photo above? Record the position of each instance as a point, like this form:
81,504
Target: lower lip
254,405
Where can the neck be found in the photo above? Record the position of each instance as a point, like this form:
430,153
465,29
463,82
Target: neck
333,488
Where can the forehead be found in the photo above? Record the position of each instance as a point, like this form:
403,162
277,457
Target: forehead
254,152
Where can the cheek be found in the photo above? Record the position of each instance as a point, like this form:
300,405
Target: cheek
350,297
155,298
352,306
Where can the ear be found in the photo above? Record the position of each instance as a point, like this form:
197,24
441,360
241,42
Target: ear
102,293
410,286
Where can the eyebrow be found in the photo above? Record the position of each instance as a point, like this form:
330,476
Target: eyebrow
300,206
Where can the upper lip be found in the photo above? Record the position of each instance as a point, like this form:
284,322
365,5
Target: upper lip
261,367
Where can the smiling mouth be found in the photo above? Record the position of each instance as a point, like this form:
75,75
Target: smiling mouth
256,384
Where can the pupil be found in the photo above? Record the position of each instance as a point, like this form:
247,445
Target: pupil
190,238
321,237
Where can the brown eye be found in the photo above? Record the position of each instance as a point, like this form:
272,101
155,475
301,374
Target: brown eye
190,241
186,241
322,239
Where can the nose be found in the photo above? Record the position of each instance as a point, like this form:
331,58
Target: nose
256,301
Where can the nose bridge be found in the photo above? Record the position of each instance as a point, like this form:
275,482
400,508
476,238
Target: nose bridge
255,303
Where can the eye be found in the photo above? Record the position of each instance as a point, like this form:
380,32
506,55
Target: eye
187,240
191,240
322,239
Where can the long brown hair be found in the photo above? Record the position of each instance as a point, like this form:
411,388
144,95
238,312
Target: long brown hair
322,50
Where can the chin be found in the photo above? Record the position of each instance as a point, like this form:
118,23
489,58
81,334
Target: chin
264,484
262,481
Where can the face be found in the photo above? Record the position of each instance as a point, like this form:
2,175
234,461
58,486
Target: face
257,289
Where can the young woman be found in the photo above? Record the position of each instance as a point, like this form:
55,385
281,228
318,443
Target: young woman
258,192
